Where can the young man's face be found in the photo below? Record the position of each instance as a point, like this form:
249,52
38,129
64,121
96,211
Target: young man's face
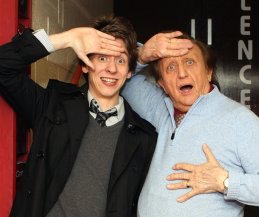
185,78
109,76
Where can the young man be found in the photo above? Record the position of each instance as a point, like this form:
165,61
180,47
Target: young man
83,162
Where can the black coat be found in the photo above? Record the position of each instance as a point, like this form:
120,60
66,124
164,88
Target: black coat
59,116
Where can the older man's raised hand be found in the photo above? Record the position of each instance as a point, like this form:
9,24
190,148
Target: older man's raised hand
163,45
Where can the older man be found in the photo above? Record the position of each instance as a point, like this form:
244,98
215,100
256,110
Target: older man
187,92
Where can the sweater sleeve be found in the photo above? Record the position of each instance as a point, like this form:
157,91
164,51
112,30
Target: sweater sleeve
146,98
244,187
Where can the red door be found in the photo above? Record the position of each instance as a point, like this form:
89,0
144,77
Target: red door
12,12
8,28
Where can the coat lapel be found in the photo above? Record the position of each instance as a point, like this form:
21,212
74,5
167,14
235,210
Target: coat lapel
77,112
127,143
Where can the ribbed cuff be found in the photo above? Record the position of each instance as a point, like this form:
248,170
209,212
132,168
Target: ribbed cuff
139,67
234,186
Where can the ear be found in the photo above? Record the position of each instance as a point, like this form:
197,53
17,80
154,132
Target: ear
85,69
209,76
161,84
129,74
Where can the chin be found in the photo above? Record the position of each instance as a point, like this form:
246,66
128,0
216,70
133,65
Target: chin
189,102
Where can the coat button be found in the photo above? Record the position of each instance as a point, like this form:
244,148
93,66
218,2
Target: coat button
58,121
131,128
41,155
29,193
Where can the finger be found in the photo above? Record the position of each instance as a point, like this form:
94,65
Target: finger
186,196
178,176
184,166
209,155
175,186
104,35
176,43
173,34
86,60
176,53
112,47
183,51
116,44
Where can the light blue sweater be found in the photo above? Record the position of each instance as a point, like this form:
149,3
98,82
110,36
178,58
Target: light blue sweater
229,129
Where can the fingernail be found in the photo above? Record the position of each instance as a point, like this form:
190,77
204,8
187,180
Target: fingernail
179,200
184,51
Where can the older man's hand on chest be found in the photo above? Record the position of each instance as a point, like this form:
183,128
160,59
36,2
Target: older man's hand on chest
203,178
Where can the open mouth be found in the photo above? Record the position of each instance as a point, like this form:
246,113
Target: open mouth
109,80
186,88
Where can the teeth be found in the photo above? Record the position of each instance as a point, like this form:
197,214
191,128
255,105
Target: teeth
108,80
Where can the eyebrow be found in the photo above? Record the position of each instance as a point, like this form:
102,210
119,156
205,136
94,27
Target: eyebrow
98,54
126,53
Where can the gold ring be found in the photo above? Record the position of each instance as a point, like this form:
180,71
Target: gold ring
188,185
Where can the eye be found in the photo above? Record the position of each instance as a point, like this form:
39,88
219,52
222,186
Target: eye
103,58
171,67
121,61
189,62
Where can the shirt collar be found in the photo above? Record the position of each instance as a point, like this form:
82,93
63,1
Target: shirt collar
120,109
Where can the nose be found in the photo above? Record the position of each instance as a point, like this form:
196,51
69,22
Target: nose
182,73
111,66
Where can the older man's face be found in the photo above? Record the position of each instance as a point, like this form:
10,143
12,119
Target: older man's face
185,78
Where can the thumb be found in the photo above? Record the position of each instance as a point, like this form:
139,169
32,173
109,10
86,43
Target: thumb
85,59
209,155
87,62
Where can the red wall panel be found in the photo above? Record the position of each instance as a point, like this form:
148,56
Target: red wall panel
8,28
